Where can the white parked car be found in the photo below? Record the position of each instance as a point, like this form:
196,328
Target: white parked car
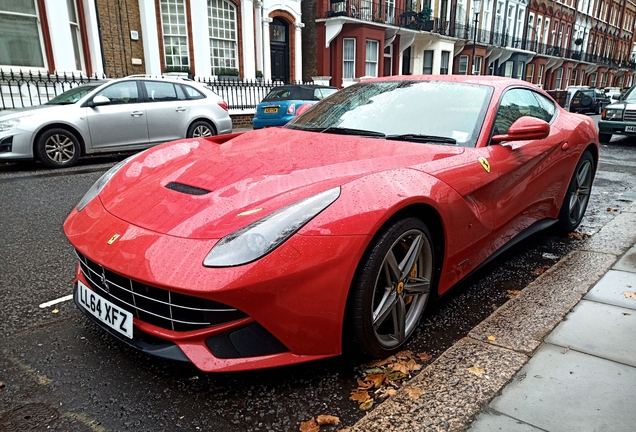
108,116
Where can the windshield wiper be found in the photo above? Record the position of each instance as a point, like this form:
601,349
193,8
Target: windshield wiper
346,131
422,138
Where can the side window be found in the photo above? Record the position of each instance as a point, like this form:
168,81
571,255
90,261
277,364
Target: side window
121,93
180,93
547,106
192,92
160,91
514,104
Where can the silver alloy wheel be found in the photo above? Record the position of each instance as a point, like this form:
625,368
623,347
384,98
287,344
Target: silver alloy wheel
580,194
60,148
201,130
402,288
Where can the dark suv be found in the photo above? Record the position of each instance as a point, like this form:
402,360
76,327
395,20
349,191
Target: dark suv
589,100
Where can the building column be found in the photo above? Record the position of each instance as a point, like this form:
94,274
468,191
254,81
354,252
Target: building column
247,14
298,70
259,34
267,59
150,36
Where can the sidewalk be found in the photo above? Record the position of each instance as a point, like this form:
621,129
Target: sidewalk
561,356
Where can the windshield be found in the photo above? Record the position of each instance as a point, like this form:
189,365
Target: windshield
73,95
630,95
421,111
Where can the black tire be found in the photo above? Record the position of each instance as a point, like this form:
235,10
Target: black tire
597,110
200,129
57,148
390,291
604,137
578,194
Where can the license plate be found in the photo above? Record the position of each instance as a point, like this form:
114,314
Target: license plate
271,110
575,102
108,313
630,128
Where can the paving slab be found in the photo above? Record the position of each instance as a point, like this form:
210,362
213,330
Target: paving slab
493,421
627,261
567,391
602,330
446,394
522,323
612,287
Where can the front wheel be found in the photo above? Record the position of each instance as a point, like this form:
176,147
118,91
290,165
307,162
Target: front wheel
577,195
391,289
57,148
200,129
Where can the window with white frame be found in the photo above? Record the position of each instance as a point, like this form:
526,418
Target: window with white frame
349,58
559,78
463,65
508,68
531,32
428,62
371,60
477,65
175,33
461,12
546,32
540,29
520,66
540,76
20,39
485,22
573,77
530,73
222,32
593,80
521,14
75,34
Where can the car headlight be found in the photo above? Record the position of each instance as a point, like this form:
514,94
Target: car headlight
265,235
9,124
100,184
612,114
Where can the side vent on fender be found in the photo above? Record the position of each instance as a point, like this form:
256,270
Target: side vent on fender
186,189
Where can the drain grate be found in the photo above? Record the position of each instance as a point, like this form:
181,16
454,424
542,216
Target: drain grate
28,417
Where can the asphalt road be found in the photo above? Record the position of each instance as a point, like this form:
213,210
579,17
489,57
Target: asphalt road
59,371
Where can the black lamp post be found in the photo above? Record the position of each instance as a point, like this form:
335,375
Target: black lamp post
476,4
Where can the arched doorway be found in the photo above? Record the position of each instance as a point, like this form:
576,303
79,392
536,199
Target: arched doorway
279,43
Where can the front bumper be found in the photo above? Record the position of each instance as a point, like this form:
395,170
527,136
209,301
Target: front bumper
298,302
15,144
261,122
616,127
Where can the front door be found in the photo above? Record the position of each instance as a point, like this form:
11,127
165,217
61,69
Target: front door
279,41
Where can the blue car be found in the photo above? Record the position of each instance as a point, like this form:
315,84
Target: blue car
280,104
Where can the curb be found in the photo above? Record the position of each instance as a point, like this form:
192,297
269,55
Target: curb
451,396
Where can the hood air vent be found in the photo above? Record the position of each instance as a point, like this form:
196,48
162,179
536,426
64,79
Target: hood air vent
186,189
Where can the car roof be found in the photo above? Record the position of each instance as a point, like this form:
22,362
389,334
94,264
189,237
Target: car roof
500,83
303,86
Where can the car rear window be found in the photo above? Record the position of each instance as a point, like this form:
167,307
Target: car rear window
582,93
298,93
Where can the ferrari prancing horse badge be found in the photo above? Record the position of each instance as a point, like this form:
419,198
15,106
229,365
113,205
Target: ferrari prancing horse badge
484,162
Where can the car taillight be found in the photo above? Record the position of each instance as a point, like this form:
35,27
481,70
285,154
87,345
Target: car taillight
291,108
223,104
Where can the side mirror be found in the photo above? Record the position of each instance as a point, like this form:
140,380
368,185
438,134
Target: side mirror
615,96
99,100
525,128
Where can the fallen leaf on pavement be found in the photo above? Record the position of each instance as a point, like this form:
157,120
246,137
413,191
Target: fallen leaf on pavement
359,396
414,392
309,426
1,384
513,293
476,370
578,235
364,385
629,294
376,379
540,270
56,310
384,362
386,392
611,209
491,338
424,356
327,420
366,405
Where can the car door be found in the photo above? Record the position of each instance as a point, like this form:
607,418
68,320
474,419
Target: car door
121,121
528,181
167,111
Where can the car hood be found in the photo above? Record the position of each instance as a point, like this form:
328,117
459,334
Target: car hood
27,111
197,188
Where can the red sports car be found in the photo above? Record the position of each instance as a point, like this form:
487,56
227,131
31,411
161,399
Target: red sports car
285,245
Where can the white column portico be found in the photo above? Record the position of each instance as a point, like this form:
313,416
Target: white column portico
249,54
259,34
298,70
267,60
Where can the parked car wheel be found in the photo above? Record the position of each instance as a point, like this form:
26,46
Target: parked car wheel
577,195
200,129
604,137
392,288
57,148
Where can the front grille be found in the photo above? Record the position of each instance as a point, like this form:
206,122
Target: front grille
630,115
160,307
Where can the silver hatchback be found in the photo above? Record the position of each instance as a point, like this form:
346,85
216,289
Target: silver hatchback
109,116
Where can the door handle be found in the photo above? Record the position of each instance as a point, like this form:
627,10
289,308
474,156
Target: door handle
565,147
137,113
180,109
